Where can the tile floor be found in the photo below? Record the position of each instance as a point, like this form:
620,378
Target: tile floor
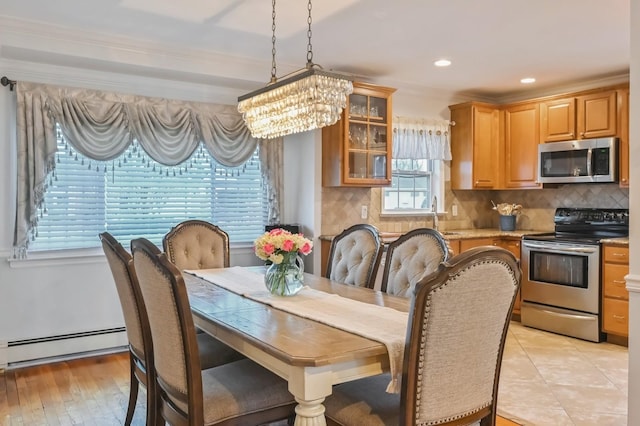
548,379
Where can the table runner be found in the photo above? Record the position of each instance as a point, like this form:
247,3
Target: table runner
385,325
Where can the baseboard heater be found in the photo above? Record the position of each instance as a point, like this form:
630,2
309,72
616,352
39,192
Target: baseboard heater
63,346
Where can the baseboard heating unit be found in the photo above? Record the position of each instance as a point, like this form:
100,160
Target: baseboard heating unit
65,346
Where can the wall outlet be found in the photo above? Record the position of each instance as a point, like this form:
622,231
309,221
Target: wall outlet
454,210
364,212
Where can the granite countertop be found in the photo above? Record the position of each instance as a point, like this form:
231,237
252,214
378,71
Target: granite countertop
622,241
459,234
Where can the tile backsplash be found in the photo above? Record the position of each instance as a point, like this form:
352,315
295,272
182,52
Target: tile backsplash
341,207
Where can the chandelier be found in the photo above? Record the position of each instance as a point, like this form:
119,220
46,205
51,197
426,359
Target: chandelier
307,99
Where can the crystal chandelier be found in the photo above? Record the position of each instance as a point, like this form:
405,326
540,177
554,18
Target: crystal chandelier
307,99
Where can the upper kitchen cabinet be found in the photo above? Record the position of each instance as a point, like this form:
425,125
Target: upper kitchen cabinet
521,136
356,151
474,146
558,120
591,115
623,134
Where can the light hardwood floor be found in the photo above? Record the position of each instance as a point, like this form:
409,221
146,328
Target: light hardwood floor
87,391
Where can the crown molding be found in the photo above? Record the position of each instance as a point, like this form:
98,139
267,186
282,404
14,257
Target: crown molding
139,84
573,86
42,43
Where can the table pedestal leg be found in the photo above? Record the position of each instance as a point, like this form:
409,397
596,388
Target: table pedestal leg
310,413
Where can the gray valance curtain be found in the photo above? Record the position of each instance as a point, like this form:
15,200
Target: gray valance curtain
101,125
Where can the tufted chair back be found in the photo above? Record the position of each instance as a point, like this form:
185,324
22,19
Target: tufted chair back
456,337
355,255
411,257
196,244
455,340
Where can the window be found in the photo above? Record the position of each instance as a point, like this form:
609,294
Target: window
413,185
133,196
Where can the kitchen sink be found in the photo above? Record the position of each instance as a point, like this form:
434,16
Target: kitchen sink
450,233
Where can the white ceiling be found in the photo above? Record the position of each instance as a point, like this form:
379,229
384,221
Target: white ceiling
492,43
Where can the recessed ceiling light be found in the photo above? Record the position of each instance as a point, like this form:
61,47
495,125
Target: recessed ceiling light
528,80
442,63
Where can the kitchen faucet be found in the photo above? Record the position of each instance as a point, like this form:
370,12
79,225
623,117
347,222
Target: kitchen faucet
434,209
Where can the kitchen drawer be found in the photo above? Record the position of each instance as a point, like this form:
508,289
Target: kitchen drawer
615,317
616,254
613,282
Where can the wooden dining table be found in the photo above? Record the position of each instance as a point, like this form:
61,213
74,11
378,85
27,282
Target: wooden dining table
310,355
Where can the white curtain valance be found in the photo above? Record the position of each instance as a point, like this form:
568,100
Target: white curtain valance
421,139
101,125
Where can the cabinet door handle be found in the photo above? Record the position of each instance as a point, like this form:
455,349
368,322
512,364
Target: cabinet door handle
619,281
618,317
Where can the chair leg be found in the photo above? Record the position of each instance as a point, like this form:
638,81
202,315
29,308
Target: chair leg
154,416
133,393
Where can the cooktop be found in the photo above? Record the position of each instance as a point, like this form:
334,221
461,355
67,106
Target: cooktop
586,225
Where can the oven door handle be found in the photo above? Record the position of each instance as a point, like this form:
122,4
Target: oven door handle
561,249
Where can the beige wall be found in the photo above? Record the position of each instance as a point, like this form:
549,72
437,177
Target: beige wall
341,207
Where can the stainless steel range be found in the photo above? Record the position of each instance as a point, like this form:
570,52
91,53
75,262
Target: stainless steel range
561,281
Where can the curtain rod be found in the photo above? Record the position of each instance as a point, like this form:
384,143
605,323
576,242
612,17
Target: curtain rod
6,82
424,121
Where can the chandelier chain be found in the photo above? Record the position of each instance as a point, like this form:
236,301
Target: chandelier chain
304,100
273,42
309,48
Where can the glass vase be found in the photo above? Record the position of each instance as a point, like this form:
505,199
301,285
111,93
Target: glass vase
286,278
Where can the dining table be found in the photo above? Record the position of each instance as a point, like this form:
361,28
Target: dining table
311,353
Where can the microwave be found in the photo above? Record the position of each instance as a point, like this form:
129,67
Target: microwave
579,161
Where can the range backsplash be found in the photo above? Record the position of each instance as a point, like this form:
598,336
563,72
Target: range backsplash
341,207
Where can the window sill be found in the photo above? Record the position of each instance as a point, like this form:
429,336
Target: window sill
78,256
59,257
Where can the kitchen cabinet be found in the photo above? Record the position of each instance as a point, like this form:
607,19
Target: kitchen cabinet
591,115
521,139
484,158
454,247
470,243
474,146
513,245
356,151
615,297
623,134
558,120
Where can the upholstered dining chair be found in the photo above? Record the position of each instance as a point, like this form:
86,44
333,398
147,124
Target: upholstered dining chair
355,255
211,351
237,393
197,244
455,340
409,258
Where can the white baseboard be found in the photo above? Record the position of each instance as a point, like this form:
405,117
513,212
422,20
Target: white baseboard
38,351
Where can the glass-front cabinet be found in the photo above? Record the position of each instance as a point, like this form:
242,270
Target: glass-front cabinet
356,151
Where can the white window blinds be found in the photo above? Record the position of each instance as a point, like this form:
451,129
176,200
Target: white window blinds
133,196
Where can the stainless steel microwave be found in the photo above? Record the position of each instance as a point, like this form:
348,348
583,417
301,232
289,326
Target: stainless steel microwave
579,161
